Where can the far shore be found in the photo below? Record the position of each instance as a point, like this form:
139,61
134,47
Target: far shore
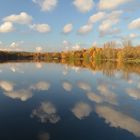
126,54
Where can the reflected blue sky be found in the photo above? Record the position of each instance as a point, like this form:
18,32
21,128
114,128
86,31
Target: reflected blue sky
44,102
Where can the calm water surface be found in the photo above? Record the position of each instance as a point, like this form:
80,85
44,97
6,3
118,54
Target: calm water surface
40,101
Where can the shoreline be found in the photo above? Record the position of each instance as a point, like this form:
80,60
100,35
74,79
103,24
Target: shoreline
126,54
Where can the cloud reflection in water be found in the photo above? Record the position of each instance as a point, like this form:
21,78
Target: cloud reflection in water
21,94
107,94
119,119
44,136
67,86
94,97
84,86
134,93
6,85
46,112
42,85
81,110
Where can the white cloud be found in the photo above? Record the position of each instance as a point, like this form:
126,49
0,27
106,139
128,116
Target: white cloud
97,17
115,15
71,46
111,4
85,29
94,43
22,18
76,47
107,24
38,49
135,24
14,45
118,119
133,35
66,44
106,27
114,31
46,5
84,5
67,28
81,110
6,27
11,49
42,28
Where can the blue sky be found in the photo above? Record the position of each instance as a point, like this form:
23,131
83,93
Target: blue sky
49,25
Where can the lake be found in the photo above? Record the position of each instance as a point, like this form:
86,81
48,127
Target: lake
53,101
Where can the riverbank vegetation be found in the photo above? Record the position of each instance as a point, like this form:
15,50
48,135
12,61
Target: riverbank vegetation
109,52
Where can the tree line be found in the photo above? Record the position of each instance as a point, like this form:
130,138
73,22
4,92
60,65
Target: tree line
109,52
